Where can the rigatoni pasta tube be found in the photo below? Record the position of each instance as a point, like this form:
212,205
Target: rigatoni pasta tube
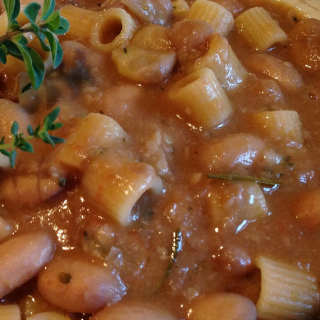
258,29
282,126
201,98
180,9
287,292
220,18
81,21
115,185
221,59
113,28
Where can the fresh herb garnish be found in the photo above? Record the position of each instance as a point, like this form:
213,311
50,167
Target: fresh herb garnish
19,141
45,26
238,177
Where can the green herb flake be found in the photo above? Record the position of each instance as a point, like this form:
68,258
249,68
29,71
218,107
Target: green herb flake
64,277
62,182
125,50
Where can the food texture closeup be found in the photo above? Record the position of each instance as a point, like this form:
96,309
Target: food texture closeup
159,160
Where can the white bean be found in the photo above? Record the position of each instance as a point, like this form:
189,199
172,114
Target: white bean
21,258
79,285
223,306
133,311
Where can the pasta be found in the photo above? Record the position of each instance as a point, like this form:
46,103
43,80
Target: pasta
10,312
180,9
258,29
113,29
202,99
221,59
287,292
221,19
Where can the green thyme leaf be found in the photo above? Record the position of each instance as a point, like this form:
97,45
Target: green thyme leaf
12,8
31,11
55,48
64,26
48,8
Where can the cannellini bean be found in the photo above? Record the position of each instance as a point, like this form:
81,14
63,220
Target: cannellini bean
79,285
21,258
133,311
190,37
305,45
28,190
151,11
283,72
307,209
223,306
237,152
234,261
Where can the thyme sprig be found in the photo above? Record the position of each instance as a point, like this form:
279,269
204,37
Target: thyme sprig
19,141
44,26
238,177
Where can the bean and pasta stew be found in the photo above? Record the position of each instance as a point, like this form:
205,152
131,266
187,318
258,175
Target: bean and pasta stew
182,178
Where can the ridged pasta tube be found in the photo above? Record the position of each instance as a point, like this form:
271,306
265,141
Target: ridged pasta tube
116,185
81,21
201,98
258,29
220,18
10,312
222,60
180,9
287,292
114,28
93,132
282,126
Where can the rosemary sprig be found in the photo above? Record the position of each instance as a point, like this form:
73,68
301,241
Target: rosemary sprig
45,26
19,141
238,177
176,247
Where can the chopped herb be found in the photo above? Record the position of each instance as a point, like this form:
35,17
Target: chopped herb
125,50
238,177
62,182
176,247
288,161
295,18
174,7
64,277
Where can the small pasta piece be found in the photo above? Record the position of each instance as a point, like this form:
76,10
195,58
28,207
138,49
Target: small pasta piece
180,9
281,126
151,11
221,19
221,59
233,205
79,285
133,311
48,316
258,29
81,21
112,29
10,312
91,134
201,98
222,306
237,153
145,66
287,292
127,182
283,72
307,209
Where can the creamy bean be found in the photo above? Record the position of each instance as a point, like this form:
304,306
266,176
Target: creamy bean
21,258
133,311
223,306
79,285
